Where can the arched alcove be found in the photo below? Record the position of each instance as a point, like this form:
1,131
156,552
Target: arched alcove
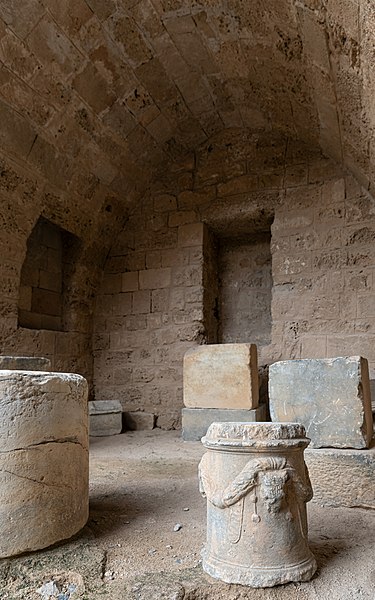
45,275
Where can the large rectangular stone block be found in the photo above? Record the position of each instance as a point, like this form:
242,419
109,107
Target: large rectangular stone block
221,376
342,477
196,421
329,396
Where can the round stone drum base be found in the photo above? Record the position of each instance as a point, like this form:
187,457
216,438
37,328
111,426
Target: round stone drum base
43,459
259,577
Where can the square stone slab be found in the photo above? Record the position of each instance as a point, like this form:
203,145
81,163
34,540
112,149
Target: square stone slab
221,376
329,396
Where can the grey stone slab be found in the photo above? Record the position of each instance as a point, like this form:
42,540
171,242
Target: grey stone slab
138,420
97,407
25,363
342,477
103,424
196,421
105,417
330,397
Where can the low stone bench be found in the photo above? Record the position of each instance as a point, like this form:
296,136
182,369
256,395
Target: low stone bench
25,363
105,417
44,459
342,477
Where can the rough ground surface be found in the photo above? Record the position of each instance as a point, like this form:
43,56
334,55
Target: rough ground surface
141,482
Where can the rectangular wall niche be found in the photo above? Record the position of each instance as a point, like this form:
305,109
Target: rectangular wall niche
245,287
51,254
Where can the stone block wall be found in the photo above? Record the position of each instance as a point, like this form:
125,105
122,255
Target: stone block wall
323,271
150,310
160,292
40,302
245,276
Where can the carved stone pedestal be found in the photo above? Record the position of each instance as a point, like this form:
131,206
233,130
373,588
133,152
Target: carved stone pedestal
44,459
257,486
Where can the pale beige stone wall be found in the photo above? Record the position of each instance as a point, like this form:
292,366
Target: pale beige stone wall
245,287
96,96
323,271
161,279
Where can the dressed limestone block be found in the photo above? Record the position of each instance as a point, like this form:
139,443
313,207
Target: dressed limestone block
342,477
257,485
330,396
43,459
25,363
105,417
221,376
196,421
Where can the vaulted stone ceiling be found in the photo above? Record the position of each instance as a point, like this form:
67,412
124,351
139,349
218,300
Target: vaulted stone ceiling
95,95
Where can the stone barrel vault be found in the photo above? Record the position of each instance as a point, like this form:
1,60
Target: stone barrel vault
43,459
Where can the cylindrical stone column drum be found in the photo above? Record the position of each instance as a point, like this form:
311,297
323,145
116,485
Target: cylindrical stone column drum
257,486
43,459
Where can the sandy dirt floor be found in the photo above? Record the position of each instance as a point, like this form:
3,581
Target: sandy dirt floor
142,485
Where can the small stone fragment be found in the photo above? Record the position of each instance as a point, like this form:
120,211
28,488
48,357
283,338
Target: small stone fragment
177,527
48,589
109,574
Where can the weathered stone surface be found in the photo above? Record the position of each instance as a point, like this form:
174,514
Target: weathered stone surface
221,376
331,397
105,418
256,485
25,363
101,105
342,477
372,394
138,420
43,459
196,421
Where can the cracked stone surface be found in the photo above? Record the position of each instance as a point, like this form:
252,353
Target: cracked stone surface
140,484
330,397
43,459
